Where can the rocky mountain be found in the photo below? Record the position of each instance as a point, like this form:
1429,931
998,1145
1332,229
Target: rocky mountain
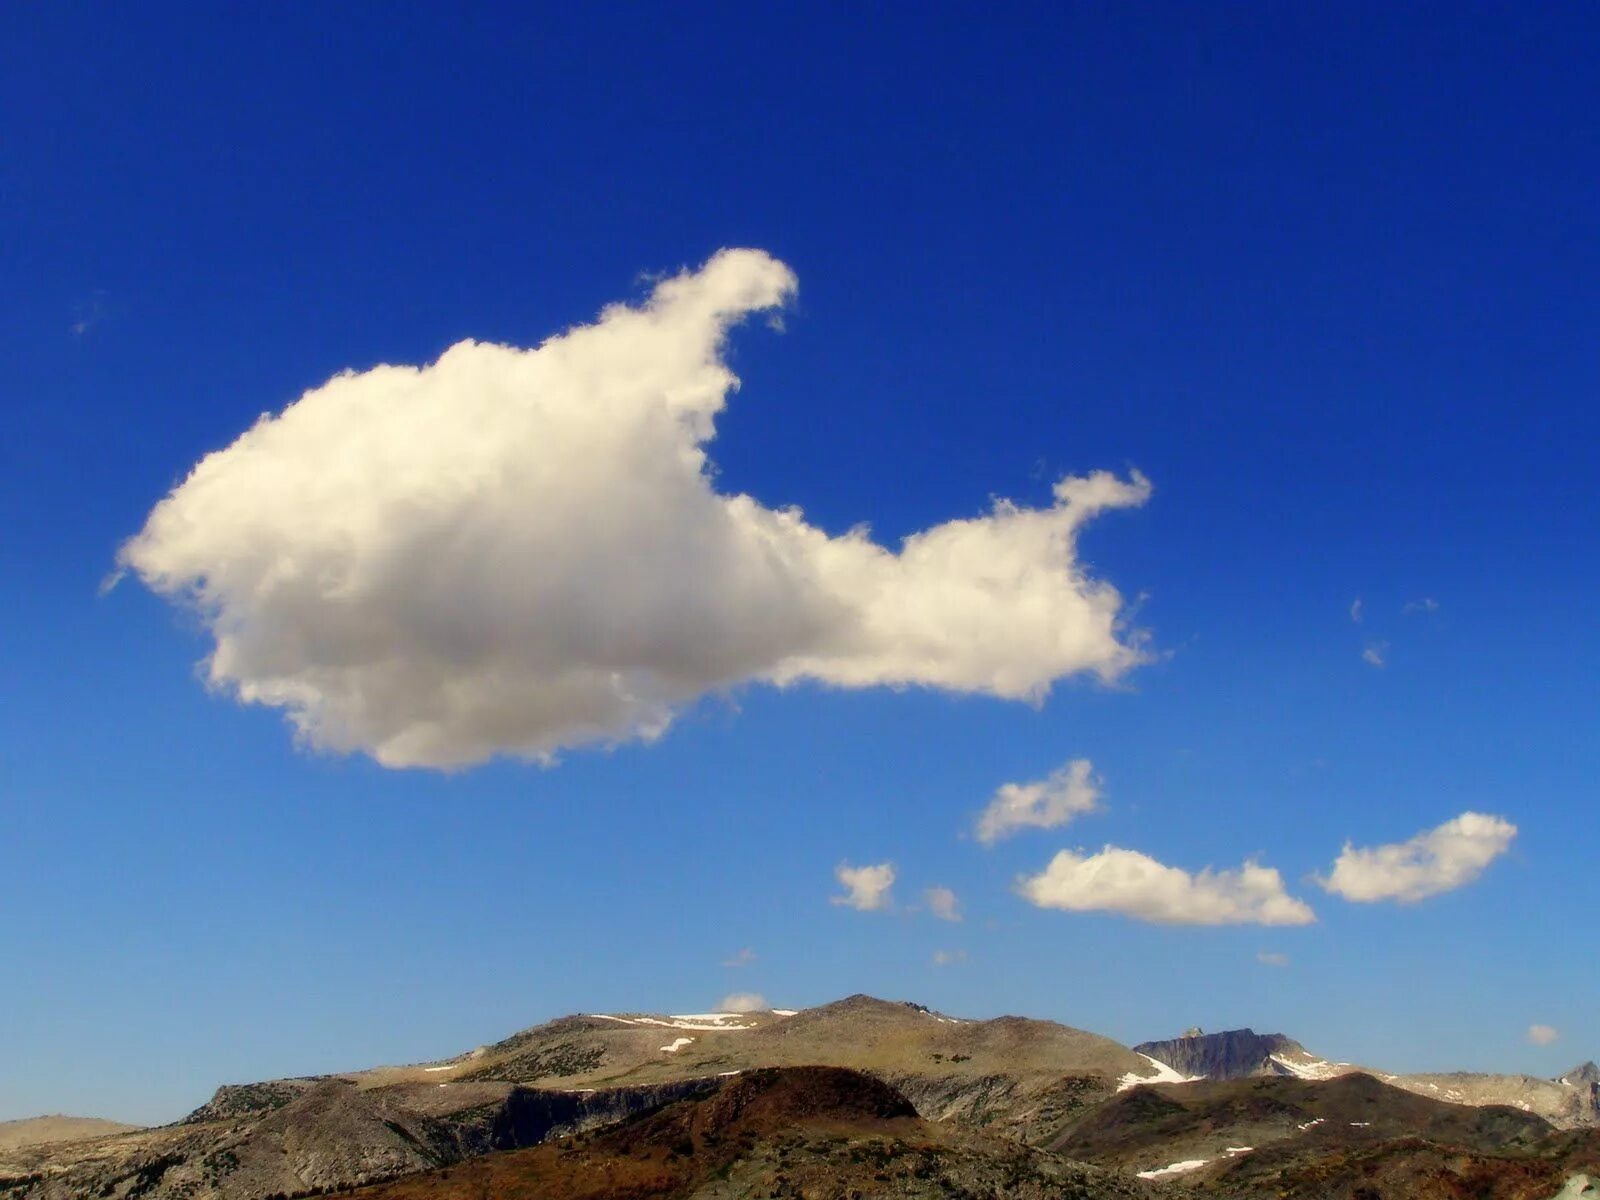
1239,1054
996,1107
1572,1101
1015,1076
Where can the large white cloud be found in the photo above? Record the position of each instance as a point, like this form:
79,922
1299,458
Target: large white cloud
513,551
1136,885
1067,792
1434,861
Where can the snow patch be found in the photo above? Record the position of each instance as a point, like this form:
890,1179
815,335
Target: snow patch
1312,1068
1164,1074
1177,1168
1312,1124
1232,1150
678,1044
446,1067
784,1012
700,1022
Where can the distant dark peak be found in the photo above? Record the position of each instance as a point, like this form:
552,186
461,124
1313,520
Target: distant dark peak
1232,1054
1582,1073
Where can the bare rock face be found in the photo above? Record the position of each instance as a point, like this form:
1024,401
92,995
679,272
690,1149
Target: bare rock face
1233,1054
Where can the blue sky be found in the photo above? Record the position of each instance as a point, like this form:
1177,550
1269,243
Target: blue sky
1325,276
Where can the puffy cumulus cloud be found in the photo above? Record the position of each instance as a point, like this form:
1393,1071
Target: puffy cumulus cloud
1069,791
1436,860
511,551
943,903
1543,1035
865,888
743,1002
1136,885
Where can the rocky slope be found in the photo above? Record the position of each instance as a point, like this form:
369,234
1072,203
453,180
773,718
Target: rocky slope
41,1131
819,1132
1350,1138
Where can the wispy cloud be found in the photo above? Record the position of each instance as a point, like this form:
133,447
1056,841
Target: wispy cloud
1272,959
1067,792
1426,604
865,888
1355,610
1136,885
1542,1035
946,958
523,550
942,903
88,314
1434,861
743,958
1376,654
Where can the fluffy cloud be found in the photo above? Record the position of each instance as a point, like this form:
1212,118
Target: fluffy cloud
1068,791
1437,860
743,1002
1136,885
942,903
511,551
1543,1035
866,888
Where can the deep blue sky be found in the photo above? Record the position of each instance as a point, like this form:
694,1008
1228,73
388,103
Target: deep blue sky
1326,274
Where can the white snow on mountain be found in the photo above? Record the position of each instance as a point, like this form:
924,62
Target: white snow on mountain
1312,1068
1177,1168
1164,1074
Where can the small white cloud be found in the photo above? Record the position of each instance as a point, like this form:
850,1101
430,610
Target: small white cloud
515,551
1376,654
1542,1035
1434,861
1425,605
1272,958
1136,885
743,1002
942,903
1067,792
743,958
866,888
945,958
1355,610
